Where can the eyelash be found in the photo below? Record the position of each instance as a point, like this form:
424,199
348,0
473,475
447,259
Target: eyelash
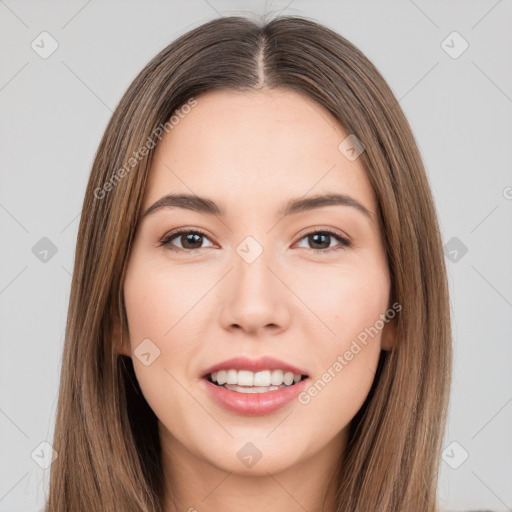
166,240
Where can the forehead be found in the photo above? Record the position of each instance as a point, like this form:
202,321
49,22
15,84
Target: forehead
256,146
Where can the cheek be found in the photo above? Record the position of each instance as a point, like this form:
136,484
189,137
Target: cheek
347,300
156,318
147,299
154,309
335,396
350,306
158,300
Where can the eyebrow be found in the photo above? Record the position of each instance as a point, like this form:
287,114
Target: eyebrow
293,206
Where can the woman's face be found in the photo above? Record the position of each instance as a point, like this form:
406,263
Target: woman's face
256,284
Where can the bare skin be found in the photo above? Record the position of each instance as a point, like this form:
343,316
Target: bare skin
303,300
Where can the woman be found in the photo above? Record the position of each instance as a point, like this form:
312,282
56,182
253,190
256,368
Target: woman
259,314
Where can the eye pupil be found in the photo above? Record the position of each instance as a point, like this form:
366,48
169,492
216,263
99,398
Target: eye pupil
189,237
316,236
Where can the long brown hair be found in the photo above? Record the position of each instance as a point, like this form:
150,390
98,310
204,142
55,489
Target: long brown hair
106,435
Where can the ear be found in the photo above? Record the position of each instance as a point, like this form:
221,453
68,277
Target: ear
388,338
120,341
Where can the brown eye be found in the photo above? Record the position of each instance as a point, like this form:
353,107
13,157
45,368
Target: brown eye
189,240
321,240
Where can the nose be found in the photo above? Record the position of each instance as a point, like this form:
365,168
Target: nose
254,299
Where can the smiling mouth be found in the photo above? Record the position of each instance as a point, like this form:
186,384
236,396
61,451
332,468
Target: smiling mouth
244,381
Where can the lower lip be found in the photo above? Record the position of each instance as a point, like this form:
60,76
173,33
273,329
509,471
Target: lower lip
254,404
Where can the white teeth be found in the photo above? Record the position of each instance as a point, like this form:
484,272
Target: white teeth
277,377
245,378
261,379
232,377
222,376
252,389
288,378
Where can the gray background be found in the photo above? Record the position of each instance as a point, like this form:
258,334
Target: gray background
53,112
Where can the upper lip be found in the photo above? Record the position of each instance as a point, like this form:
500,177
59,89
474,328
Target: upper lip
254,365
